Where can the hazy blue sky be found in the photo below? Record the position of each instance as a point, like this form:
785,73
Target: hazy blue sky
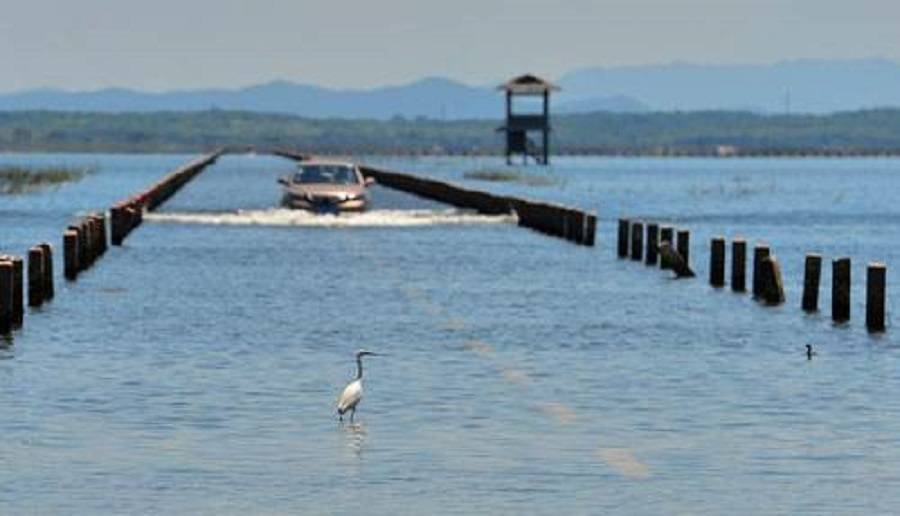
170,44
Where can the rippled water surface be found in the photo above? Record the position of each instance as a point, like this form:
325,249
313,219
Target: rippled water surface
195,369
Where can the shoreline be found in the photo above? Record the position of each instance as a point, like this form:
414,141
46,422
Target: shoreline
412,153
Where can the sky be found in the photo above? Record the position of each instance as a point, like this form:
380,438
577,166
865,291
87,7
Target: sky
162,45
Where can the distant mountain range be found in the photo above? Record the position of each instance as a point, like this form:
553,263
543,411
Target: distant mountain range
804,86
433,98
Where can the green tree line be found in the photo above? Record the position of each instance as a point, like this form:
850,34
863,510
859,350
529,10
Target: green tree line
691,133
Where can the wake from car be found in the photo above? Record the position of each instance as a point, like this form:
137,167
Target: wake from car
373,218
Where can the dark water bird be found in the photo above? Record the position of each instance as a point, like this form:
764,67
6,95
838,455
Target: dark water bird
353,392
675,260
809,352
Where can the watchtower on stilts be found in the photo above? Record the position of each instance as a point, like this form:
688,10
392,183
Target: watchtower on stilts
518,126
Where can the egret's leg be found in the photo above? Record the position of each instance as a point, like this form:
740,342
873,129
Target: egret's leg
352,413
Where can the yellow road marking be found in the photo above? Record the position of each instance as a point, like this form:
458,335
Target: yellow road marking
624,462
479,346
515,376
454,324
562,413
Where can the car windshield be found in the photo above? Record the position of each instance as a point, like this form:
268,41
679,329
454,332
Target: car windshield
330,174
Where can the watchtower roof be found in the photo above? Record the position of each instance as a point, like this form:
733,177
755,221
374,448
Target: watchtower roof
528,84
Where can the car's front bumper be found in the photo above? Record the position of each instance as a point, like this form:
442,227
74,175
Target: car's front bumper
324,205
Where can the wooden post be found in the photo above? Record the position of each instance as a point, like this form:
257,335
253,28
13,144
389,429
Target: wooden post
116,224
94,234
18,285
666,234
773,287
576,226
760,251
577,218
739,265
717,262
98,236
812,270
131,221
652,243
70,254
81,257
90,241
101,228
49,291
876,278
91,233
35,276
623,237
590,229
6,297
91,225
637,241
83,250
840,290
684,246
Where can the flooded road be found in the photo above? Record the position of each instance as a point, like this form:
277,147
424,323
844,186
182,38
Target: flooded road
195,369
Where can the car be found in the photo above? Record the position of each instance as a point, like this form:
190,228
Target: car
326,187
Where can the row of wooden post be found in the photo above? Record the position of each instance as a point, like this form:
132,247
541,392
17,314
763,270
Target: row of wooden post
767,282
12,285
631,242
768,285
876,290
126,215
84,242
572,224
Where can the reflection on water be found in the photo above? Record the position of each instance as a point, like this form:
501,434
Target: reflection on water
355,437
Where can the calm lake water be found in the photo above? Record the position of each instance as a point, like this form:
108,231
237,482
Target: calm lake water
195,369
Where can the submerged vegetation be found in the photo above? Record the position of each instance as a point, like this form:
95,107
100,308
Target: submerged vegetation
17,179
512,176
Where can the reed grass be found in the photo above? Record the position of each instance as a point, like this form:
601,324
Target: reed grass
18,179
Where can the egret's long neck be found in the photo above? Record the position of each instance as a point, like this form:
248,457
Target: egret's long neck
358,367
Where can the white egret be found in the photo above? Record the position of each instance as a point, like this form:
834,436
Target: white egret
352,394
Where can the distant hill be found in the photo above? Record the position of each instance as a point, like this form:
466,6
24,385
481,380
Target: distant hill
434,98
802,86
611,104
